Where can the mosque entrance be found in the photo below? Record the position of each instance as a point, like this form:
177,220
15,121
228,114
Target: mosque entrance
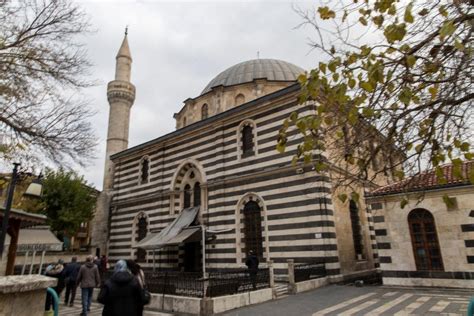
192,256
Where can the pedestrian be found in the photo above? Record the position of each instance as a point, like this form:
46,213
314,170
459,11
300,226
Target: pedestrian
138,273
252,264
55,271
70,275
97,262
89,278
103,267
121,293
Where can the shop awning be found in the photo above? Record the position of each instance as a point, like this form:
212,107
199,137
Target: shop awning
38,238
186,234
171,234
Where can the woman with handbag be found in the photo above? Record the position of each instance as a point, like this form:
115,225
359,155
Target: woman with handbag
121,293
137,271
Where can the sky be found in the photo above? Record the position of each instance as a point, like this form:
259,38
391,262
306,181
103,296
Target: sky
177,47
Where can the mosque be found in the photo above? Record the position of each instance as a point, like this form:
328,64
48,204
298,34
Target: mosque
202,196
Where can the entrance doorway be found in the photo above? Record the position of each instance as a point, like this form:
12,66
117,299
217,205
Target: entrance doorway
192,257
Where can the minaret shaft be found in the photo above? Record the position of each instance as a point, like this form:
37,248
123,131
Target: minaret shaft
121,95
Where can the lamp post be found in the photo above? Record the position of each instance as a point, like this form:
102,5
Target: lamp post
8,206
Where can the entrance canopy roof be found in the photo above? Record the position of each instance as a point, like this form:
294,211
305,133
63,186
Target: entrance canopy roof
175,233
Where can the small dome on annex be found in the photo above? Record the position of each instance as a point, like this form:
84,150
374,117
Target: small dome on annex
247,71
238,84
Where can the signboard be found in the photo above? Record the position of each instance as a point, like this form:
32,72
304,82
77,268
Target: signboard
40,247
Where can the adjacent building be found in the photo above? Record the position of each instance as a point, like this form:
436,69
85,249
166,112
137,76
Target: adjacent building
429,241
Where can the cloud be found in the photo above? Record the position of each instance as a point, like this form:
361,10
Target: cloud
177,48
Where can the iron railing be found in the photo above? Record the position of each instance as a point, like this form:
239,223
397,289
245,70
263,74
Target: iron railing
233,281
192,284
308,271
176,283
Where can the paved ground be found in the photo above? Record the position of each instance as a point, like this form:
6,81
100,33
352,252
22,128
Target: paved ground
369,300
343,300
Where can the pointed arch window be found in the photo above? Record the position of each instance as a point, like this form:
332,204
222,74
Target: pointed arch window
204,111
142,229
356,229
253,228
424,240
144,170
247,141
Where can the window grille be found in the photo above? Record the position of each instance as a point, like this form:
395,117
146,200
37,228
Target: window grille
247,141
424,240
253,228
197,194
142,229
187,196
145,170
356,234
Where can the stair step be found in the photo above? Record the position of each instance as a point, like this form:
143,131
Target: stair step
155,313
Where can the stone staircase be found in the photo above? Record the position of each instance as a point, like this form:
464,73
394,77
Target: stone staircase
281,289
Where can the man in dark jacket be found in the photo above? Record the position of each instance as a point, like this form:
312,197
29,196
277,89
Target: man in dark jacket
252,264
121,294
89,278
70,273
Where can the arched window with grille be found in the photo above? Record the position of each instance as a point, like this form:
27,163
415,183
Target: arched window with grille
424,240
197,194
142,230
253,228
356,229
144,170
204,111
247,141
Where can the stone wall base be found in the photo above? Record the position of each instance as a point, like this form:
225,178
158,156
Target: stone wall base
429,282
207,306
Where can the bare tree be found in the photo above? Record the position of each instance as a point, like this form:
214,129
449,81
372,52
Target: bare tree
395,92
43,66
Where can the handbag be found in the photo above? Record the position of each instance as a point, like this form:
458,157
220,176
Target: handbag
146,296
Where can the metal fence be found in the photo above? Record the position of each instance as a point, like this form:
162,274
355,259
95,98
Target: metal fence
308,271
176,283
235,281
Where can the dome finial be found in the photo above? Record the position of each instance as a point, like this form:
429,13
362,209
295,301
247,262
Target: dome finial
126,30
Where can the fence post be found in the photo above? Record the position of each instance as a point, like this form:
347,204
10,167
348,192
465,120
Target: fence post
291,276
271,274
207,307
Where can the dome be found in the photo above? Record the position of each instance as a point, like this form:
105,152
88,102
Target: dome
247,71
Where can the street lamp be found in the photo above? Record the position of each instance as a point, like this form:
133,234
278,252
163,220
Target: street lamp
34,189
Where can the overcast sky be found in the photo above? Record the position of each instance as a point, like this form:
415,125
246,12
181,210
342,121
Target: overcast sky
177,48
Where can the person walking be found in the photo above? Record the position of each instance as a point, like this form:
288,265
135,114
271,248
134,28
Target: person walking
121,294
252,264
89,278
55,271
70,275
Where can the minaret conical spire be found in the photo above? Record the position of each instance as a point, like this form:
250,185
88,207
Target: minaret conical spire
123,60
124,50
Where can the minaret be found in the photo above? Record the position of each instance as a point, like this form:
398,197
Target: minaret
120,94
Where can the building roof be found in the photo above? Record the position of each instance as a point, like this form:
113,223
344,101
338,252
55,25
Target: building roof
27,219
428,180
247,71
